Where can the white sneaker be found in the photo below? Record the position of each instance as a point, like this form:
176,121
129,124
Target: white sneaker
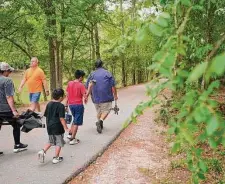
69,136
41,156
74,141
57,160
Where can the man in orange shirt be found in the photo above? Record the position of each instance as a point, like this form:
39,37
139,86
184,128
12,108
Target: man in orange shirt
35,79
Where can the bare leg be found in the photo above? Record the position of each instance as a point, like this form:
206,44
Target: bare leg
74,131
57,151
103,116
47,146
38,107
71,129
33,106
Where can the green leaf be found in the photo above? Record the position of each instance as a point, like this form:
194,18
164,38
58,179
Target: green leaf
171,130
212,143
176,147
217,66
183,73
155,29
199,117
212,125
142,36
165,72
169,60
201,176
202,166
197,72
186,2
161,22
165,15
187,135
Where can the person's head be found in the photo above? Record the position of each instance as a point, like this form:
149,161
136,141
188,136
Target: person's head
5,69
58,94
34,62
98,63
79,74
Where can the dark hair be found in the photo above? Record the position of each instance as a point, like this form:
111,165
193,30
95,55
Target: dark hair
98,63
57,93
79,73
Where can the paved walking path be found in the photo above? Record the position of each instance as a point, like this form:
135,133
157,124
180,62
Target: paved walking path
24,168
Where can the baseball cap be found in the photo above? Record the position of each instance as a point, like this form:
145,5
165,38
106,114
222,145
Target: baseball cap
5,67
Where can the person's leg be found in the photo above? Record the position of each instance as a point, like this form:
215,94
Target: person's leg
38,107
42,152
47,146
16,133
78,114
104,110
57,151
59,143
34,99
75,128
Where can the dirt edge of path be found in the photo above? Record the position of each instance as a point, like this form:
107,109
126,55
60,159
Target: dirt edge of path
138,154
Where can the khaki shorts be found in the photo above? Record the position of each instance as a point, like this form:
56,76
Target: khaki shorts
56,140
103,108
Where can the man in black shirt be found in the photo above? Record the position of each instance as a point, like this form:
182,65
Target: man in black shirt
8,110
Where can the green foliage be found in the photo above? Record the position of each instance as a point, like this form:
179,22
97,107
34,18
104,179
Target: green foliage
190,65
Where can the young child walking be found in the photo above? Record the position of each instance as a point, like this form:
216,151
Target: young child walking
56,126
76,95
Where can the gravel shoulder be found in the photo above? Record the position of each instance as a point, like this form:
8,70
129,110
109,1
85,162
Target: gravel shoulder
139,155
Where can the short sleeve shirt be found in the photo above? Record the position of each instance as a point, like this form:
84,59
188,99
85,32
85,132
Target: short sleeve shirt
34,78
53,112
6,89
75,92
102,89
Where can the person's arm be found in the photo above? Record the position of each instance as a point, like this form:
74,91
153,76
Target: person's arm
113,84
90,85
84,94
62,117
114,93
45,86
63,122
21,85
11,103
9,93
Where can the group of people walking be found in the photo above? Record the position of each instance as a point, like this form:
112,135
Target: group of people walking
100,86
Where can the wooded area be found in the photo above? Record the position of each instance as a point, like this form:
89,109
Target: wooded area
181,41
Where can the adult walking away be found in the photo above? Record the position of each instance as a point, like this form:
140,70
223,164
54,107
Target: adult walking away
76,95
101,86
8,110
35,79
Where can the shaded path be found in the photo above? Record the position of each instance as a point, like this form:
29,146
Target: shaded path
23,168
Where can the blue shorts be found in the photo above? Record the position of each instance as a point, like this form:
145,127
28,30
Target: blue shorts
77,112
35,97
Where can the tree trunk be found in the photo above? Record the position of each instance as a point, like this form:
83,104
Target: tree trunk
122,55
97,45
92,44
50,13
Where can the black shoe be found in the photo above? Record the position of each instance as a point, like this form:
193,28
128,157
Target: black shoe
19,147
101,123
99,127
1,153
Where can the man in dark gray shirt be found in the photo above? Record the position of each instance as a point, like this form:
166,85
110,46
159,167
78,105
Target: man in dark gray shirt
8,110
